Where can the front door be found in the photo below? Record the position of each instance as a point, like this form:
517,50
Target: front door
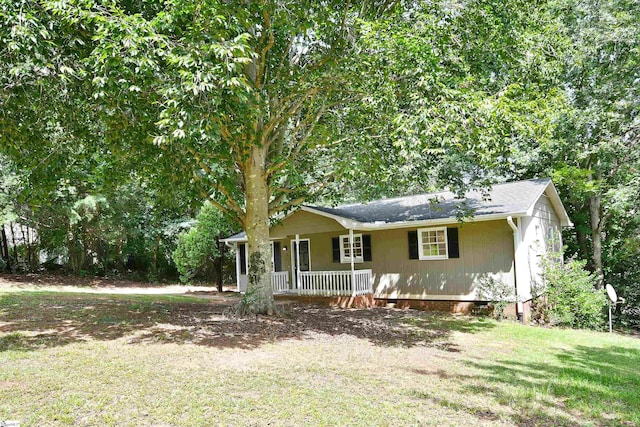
305,259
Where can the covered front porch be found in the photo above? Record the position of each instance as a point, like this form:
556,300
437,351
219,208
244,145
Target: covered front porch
292,272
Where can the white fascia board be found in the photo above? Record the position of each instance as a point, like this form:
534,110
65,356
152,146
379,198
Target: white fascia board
555,200
347,223
234,240
557,204
371,226
244,240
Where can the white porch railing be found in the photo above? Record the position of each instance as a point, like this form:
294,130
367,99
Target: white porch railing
332,283
280,282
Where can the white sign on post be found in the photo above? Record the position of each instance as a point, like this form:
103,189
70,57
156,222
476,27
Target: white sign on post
613,299
613,296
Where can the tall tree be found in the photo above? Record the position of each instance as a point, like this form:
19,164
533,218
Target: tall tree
263,105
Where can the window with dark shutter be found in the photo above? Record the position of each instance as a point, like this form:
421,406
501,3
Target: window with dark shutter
413,244
243,258
277,257
366,247
335,245
452,241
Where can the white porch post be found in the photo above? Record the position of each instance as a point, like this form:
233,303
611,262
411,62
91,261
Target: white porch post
238,270
298,262
353,273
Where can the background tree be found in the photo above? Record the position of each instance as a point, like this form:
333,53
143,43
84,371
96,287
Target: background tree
593,154
200,252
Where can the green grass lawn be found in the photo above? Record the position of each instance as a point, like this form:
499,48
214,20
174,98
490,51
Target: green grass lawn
85,359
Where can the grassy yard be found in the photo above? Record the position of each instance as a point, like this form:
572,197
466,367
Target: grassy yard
85,359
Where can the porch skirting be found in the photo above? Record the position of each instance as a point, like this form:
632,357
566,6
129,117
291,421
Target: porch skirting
360,301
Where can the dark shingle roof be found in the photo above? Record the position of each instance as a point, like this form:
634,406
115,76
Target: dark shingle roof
507,198
510,198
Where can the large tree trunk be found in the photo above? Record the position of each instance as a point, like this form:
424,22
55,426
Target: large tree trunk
259,296
4,248
15,246
595,206
584,245
156,253
219,262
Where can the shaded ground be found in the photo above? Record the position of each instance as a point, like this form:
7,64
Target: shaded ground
45,319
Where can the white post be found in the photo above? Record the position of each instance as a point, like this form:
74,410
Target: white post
298,262
238,269
610,322
246,259
353,273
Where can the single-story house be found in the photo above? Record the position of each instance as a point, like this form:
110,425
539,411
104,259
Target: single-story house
414,249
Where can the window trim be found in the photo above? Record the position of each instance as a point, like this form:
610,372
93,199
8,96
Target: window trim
347,259
421,255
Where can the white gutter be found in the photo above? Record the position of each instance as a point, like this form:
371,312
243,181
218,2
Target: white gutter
372,226
516,243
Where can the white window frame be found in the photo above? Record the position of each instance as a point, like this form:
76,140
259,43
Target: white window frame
344,259
421,254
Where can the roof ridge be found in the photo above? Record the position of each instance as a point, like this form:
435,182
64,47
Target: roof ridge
349,205
391,199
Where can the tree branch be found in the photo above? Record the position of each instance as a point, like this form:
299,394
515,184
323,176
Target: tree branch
262,70
217,186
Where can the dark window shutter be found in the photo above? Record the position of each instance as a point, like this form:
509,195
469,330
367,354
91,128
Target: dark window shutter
366,247
413,244
277,257
452,240
335,245
243,258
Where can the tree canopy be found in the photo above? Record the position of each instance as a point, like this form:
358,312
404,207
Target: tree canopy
258,107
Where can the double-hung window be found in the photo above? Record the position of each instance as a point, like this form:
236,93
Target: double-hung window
432,243
345,249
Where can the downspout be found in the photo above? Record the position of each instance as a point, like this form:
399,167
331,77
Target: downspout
515,271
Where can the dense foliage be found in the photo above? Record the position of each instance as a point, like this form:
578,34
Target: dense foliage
570,297
84,227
